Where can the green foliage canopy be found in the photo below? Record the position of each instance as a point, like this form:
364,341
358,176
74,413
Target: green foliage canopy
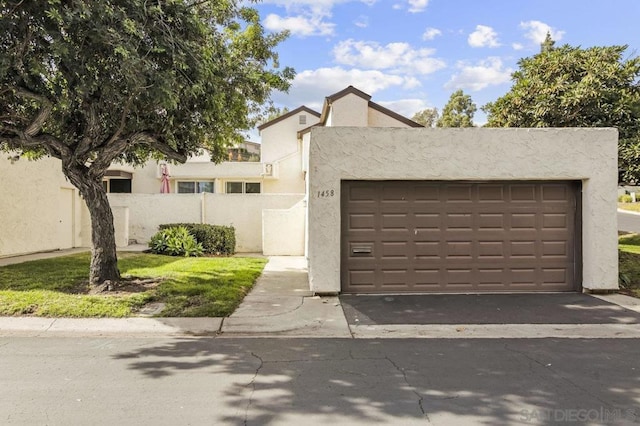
92,82
574,87
98,81
458,112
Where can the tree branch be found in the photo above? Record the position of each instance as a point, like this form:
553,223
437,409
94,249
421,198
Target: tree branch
88,141
43,115
20,140
123,121
109,152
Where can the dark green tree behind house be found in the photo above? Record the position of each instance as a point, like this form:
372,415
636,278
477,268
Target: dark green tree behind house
573,87
92,82
458,112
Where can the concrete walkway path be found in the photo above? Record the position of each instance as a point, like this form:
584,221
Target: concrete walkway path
281,304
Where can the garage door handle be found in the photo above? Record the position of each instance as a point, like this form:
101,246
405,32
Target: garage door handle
361,250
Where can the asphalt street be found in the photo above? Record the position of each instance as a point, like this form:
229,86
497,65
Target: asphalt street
230,381
628,222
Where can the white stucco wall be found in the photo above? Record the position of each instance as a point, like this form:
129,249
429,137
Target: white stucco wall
39,209
290,179
283,231
242,211
588,155
281,139
121,225
378,119
350,110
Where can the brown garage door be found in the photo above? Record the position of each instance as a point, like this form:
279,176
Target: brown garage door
421,237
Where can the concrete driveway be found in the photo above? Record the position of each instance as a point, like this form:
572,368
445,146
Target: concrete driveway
569,315
554,308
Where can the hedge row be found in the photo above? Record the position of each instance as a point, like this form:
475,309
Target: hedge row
215,239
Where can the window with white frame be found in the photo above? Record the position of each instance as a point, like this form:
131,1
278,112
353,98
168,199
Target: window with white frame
194,186
243,188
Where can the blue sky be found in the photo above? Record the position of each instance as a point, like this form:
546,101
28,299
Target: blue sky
412,54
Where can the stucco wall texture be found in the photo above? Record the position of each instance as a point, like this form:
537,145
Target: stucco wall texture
40,210
147,211
586,155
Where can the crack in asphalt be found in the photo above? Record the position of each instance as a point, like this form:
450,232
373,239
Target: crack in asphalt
413,389
252,383
559,373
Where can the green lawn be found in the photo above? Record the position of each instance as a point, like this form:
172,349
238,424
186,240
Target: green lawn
629,262
189,287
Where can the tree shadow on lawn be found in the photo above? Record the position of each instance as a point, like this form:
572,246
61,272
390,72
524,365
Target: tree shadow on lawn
68,274
484,381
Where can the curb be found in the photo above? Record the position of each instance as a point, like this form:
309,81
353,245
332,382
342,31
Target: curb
122,327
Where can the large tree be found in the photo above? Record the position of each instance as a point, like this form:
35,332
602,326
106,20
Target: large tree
427,117
93,82
574,87
458,112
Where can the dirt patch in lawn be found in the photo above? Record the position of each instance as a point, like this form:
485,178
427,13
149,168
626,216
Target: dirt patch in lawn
122,287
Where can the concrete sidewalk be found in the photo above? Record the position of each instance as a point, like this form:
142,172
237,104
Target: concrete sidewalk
281,305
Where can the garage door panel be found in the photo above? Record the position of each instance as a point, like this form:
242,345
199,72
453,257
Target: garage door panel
523,193
394,221
359,221
395,250
555,221
555,193
426,194
459,237
459,250
491,221
458,193
459,221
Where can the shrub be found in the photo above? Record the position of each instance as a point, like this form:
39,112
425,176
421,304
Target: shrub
626,198
176,241
215,239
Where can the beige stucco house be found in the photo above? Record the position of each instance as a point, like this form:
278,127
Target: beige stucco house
462,210
375,201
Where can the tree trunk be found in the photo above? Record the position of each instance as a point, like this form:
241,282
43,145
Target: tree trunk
104,260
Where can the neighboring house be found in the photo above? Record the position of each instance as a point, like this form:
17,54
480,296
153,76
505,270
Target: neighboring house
283,153
263,199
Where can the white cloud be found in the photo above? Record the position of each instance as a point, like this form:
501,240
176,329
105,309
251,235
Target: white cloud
488,72
431,33
299,25
310,87
305,17
398,57
536,31
362,21
414,6
406,107
483,36
517,46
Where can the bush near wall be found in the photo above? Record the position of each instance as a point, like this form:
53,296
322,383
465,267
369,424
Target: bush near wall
215,239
